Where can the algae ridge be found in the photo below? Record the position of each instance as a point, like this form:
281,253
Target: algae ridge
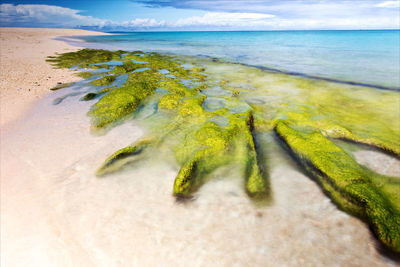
207,116
355,189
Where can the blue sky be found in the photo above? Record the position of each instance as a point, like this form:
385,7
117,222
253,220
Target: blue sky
160,15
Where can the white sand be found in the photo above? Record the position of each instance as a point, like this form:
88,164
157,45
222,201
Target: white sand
55,212
25,76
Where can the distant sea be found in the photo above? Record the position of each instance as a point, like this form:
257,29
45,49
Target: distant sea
366,56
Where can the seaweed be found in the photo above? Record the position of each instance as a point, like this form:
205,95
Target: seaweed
252,101
85,74
106,80
352,187
60,86
84,58
123,157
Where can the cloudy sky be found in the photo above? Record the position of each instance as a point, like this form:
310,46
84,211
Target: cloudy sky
176,15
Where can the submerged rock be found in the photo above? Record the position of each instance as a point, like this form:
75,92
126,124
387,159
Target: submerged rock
189,124
361,192
60,86
123,156
106,80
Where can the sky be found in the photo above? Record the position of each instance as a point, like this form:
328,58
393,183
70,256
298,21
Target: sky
188,15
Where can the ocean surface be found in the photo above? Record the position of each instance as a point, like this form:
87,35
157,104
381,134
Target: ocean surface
367,57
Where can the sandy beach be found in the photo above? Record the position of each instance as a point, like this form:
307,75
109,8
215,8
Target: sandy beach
56,212
25,76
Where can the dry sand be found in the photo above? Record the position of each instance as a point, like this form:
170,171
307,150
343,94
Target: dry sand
55,212
25,76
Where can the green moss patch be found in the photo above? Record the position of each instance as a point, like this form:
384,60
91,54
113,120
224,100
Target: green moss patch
61,86
85,74
106,80
207,115
353,188
84,58
123,156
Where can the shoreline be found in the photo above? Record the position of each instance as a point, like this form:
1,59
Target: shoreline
24,73
48,161
368,74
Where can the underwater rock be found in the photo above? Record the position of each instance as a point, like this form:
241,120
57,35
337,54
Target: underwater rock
85,74
60,86
353,188
123,156
107,80
89,96
221,146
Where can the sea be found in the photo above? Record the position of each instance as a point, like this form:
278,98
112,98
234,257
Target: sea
366,57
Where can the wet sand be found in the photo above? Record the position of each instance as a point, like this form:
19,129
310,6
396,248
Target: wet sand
55,212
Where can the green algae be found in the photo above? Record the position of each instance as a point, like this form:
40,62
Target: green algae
124,100
90,96
126,67
213,146
106,80
353,188
85,74
252,101
123,157
61,86
84,58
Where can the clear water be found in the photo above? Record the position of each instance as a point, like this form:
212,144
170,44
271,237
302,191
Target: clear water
370,57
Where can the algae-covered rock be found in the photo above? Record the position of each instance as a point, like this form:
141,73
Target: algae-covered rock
256,185
84,58
352,187
123,156
254,102
106,80
89,96
123,101
213,146
60,86
114,106
85,74
169,102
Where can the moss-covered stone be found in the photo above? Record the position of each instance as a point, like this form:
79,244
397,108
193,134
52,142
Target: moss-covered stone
106,80
84,58
89,96
85,74
251,101
169,102
126,67
213,146
124,156
352,187
61,86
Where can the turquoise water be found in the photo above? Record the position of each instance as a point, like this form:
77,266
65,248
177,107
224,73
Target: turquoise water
369,57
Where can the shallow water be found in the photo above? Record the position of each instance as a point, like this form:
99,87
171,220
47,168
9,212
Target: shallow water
56,212
370,57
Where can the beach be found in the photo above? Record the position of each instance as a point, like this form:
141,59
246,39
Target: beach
24,73
56,212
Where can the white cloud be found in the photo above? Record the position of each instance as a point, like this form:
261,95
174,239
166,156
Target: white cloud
389,4
146,22
31,15
380,15
223,19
